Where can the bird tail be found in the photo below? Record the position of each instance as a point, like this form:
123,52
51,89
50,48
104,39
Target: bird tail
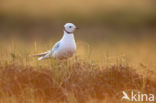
41,54
45,56
40,58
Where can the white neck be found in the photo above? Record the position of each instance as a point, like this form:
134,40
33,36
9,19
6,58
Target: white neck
68,41
68,35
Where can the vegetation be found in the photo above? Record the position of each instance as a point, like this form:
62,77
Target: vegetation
23,79
116,50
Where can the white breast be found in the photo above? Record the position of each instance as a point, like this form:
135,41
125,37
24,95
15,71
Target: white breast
66,48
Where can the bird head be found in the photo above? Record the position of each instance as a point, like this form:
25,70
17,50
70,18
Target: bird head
69,28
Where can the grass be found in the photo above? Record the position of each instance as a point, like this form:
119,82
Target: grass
91,76
74,83
98,72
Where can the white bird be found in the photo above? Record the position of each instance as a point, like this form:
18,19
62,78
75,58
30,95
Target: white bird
64,48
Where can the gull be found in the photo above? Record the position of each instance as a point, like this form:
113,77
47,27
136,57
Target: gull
64,48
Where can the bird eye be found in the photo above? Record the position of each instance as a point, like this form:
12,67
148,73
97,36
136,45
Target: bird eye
70,26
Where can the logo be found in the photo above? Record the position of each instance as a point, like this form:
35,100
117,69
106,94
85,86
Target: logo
138,96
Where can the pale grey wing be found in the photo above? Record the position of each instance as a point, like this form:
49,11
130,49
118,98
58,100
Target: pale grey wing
55,47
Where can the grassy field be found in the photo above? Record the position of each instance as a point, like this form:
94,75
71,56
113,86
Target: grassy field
96,74
116,50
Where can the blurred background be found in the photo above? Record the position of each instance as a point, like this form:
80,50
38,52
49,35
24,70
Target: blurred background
106,21
115,50
122,28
